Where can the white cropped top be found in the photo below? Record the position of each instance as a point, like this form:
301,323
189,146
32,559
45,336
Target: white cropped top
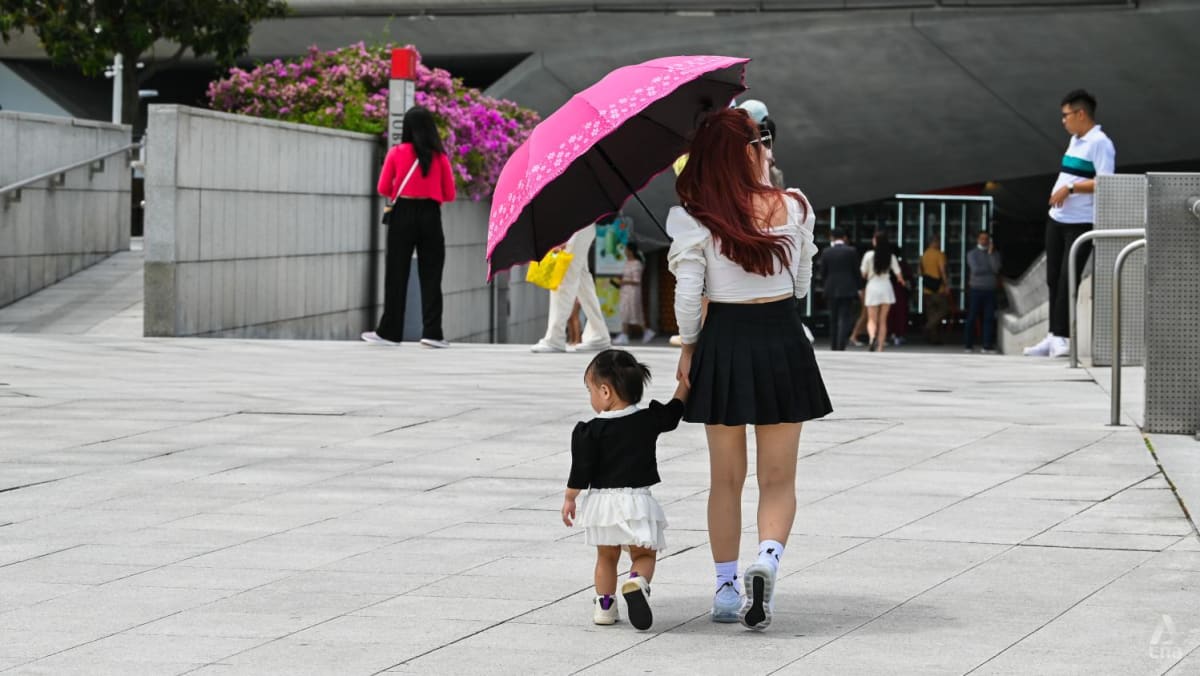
701,269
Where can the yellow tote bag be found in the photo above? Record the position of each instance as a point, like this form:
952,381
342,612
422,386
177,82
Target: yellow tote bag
549,272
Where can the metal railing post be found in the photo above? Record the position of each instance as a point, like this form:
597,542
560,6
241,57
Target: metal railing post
1073,281
1115,418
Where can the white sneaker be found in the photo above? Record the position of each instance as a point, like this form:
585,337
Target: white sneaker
542,347
592,347
1042,349
1060,347
647,336
621,339
676,341
602,616
637,602
372,337
726,604
759,603
434,342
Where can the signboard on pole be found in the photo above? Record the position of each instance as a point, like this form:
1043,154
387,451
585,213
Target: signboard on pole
401,90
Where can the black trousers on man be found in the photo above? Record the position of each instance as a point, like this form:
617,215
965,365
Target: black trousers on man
415,225
1059,238
842,314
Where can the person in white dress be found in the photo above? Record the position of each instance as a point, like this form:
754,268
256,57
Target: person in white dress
876,267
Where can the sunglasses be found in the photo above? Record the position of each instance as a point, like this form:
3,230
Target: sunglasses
765,140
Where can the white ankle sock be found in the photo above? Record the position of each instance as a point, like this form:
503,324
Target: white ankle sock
769,552
727,572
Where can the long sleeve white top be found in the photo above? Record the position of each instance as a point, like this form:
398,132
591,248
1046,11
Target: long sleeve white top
701,269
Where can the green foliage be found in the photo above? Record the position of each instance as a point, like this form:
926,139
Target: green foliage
89,33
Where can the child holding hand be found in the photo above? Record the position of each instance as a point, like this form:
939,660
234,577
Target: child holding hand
613,458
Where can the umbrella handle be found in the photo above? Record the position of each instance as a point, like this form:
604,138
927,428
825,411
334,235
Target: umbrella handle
632,191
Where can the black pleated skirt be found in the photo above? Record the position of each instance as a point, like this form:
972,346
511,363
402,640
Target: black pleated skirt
753,365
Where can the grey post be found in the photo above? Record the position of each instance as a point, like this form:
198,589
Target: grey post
1073,283
1115,420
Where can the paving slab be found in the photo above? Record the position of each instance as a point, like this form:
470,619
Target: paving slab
240,507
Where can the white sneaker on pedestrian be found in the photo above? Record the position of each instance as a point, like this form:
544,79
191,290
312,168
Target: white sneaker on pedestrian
372,337
1060,347
676,341
1042,349
542,347
592,347
759,603
602,615
647,336
621,339
435,342
726,604
637,602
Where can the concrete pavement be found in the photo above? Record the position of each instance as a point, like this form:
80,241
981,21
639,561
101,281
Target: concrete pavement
239,507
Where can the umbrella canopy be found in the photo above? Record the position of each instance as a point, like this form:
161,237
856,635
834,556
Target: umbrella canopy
588,157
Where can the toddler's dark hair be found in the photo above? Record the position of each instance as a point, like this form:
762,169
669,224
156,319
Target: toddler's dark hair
622,372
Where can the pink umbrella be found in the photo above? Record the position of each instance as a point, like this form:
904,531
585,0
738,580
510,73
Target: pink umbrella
588,157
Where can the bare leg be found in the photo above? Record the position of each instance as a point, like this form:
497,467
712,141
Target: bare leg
778,447
727,469
882,323
643,561
872,324
607,559
861,324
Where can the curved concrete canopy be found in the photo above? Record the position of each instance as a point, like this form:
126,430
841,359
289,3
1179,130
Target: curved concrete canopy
898,102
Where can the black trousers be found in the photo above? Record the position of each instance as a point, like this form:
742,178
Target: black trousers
842,315
981,304
1059,238
415,225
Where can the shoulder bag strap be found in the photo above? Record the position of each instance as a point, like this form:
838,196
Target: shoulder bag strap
405,181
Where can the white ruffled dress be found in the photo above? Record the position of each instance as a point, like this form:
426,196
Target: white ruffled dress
622,517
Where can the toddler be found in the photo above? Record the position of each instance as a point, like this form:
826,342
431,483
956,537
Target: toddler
613,457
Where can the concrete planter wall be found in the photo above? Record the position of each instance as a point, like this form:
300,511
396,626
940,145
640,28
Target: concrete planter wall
55,230
264,229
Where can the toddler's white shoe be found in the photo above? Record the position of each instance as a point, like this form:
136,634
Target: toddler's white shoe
637,602
602,615
1042,349
758,607
726,604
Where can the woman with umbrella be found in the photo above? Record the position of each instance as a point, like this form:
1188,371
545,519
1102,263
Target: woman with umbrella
748,247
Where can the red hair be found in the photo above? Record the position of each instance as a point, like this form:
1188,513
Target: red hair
718,185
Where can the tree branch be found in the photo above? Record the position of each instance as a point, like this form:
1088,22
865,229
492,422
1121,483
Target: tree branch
159,66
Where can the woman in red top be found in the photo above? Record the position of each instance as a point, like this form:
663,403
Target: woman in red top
418,170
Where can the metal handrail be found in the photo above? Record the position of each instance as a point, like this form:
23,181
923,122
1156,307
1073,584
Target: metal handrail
60,171
1073,283
1115,417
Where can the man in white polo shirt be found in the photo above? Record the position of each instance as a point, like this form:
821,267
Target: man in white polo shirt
1072,211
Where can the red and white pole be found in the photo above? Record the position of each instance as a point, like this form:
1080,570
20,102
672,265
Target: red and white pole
401,90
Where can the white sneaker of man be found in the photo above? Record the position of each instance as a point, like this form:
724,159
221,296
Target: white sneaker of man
542,347
1060,347
1042,349
597,346
621,339
647,336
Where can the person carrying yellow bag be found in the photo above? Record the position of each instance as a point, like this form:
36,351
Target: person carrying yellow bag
576,282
